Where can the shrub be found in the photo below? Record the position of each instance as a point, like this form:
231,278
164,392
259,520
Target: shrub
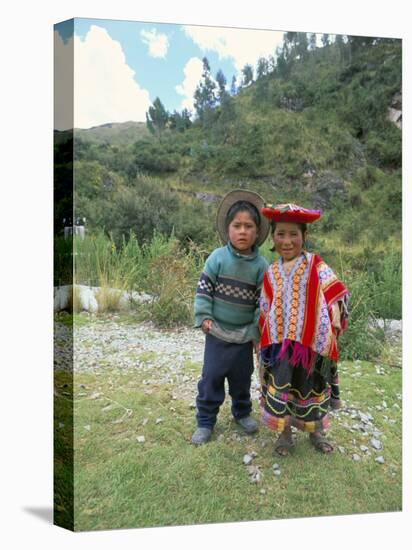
362,339
388,287
172,277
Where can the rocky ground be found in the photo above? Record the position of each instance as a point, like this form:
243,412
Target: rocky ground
175,357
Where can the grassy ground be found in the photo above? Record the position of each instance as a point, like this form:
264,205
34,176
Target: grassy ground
120,482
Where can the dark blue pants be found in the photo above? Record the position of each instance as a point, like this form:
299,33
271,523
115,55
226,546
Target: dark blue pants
224,360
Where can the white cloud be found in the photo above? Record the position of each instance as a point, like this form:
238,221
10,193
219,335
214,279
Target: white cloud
104,86
193,73
158,43
63,83
241,45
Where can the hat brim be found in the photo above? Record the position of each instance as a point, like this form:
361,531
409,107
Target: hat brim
241,195
306,216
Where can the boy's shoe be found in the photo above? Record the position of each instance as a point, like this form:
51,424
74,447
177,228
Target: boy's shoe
201,435
248,423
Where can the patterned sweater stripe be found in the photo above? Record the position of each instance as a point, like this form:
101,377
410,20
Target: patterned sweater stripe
228,290
205,286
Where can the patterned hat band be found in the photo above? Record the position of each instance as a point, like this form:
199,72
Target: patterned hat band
290,212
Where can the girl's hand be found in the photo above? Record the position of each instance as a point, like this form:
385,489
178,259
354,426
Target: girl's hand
337,329
206,325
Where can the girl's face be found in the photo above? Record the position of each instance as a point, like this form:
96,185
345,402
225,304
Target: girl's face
242,232
288,240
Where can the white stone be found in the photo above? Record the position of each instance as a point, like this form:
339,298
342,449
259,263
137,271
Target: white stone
141,438
61,297
247,459
87,298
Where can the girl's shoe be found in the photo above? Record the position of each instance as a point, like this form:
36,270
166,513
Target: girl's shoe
320,443
284,444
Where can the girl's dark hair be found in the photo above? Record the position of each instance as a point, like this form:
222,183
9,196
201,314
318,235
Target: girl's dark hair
302,226
243,206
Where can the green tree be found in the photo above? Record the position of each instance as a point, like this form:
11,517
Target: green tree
180,121
221,83
340,45
282,65
247,72
262,67
312,42
205,95
302,44
157,118
325,39
233,87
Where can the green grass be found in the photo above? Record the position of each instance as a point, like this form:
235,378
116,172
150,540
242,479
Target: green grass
121,483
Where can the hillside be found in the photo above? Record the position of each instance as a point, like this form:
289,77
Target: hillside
320,126
120,134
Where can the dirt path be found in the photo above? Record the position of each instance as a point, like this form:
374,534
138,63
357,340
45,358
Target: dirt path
165,356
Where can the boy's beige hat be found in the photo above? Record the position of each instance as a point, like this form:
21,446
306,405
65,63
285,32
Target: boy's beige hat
241,195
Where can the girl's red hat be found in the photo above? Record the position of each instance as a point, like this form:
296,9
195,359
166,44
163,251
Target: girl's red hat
290,213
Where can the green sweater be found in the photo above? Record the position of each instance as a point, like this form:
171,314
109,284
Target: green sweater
228,293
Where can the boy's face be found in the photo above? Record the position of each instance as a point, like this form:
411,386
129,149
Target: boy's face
288,240
242,232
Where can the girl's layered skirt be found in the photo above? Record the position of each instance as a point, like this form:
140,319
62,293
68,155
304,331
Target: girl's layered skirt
293,396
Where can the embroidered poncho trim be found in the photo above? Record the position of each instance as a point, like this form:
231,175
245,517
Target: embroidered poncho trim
297,308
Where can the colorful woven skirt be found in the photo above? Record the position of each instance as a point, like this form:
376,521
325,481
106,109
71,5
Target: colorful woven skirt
291,397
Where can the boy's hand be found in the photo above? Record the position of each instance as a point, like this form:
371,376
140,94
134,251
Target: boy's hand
206,325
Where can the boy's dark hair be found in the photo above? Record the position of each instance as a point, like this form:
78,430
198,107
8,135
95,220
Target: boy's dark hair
243,206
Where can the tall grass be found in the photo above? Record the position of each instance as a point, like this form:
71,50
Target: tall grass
168,272
99,262
160,267
362,338
388,287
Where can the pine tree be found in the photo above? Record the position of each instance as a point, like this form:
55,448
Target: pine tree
325,39
204,96
180,121
302,44
157,118
233,87
221,82
312,42
247,72
282,66
262,67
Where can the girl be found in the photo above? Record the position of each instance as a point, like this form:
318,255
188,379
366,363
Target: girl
303,308
227,310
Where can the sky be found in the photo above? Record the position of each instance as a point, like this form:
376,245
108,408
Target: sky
120,67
